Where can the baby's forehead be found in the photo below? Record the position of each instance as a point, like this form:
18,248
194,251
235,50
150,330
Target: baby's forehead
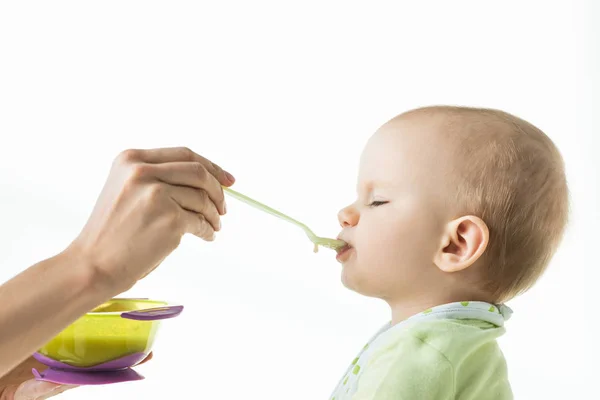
409,140
414,152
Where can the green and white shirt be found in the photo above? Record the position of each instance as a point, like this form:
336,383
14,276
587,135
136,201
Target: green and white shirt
447,352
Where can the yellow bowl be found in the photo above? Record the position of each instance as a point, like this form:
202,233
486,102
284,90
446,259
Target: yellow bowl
112,331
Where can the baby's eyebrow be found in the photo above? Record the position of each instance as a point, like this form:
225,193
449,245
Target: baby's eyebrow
369,186
381,184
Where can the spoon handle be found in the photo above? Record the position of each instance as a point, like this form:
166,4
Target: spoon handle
265,208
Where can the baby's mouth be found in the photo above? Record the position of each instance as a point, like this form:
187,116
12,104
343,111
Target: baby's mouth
343,250
341,239
343,253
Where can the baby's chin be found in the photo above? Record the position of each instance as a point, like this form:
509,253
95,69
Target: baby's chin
363,279
348,281
355,278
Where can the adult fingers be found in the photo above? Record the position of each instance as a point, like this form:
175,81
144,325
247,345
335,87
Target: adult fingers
191,174
148,358
57,391
197,201
178,154
37,390
197,225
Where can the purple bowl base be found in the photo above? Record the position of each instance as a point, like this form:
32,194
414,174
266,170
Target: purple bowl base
87,378
115,371
119,363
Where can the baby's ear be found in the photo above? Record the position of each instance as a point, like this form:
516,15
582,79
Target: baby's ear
464,241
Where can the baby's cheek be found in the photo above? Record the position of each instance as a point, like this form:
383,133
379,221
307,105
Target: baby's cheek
398,247
389,238
380,250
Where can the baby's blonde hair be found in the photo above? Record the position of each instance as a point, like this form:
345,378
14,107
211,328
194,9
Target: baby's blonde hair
511,175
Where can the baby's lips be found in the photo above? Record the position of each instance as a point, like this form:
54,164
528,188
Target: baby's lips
348,244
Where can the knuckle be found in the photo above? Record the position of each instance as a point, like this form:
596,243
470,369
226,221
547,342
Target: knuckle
199,170
208,234
202,197
185,153
155,192
139,171
199,228
128,156
204,225
130,186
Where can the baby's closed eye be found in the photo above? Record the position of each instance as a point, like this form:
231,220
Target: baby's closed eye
378,203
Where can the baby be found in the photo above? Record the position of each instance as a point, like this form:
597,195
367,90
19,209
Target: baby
458,211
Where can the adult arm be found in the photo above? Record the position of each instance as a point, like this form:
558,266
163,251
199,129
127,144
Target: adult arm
150,200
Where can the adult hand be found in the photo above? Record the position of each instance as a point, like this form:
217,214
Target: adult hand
150,200
18,384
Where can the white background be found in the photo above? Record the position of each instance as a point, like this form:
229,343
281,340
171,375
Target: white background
284,95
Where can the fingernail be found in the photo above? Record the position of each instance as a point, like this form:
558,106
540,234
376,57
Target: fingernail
224,207
219,225
229,177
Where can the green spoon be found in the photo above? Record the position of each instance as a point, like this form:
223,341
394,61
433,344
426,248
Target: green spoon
318,241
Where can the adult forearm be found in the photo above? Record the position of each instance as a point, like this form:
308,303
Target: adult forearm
41,301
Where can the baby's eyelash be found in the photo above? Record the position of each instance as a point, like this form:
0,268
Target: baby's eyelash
378,203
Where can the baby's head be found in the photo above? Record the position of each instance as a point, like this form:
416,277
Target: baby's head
454,204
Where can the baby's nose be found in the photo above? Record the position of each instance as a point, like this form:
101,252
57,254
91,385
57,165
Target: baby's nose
348,217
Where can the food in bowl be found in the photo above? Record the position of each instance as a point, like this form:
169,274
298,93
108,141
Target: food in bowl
117,334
